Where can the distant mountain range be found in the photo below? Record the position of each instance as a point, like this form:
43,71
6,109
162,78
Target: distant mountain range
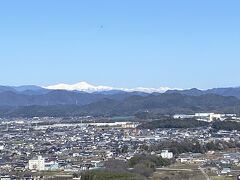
219,91
86,99
86,87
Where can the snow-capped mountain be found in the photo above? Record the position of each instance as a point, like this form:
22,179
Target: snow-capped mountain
81,86
148,90
86,87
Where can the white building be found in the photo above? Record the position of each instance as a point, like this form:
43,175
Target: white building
37,164
51,165
166,154
225,171
76,155
209,117
220,117
183,116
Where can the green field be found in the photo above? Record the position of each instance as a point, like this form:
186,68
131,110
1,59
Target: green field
178,175
222,178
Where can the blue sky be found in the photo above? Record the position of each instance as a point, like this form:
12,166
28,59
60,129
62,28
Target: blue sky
120,43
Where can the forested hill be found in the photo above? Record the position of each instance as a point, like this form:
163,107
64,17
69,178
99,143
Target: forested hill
129,104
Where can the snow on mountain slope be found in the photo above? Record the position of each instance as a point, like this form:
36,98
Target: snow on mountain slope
148,90
86,87
81,86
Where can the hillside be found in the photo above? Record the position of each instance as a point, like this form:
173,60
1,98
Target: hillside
218,91
130,105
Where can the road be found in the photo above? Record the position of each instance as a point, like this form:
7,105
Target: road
171,169
189,170
203,172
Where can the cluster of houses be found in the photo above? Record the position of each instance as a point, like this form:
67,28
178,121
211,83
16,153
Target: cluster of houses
30,146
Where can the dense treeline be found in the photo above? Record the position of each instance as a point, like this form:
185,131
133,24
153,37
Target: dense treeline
226,125
107,175
186,146
145,165
139,167
157,161
173,123
190,123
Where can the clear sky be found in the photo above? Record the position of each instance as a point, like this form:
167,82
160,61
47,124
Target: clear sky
121,43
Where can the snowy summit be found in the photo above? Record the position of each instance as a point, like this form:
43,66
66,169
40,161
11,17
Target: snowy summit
86,87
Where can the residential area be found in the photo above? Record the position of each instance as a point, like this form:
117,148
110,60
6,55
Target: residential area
36,149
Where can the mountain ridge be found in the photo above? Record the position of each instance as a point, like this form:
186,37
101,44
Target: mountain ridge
86,87
230,91
153,104
119,101
100,89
